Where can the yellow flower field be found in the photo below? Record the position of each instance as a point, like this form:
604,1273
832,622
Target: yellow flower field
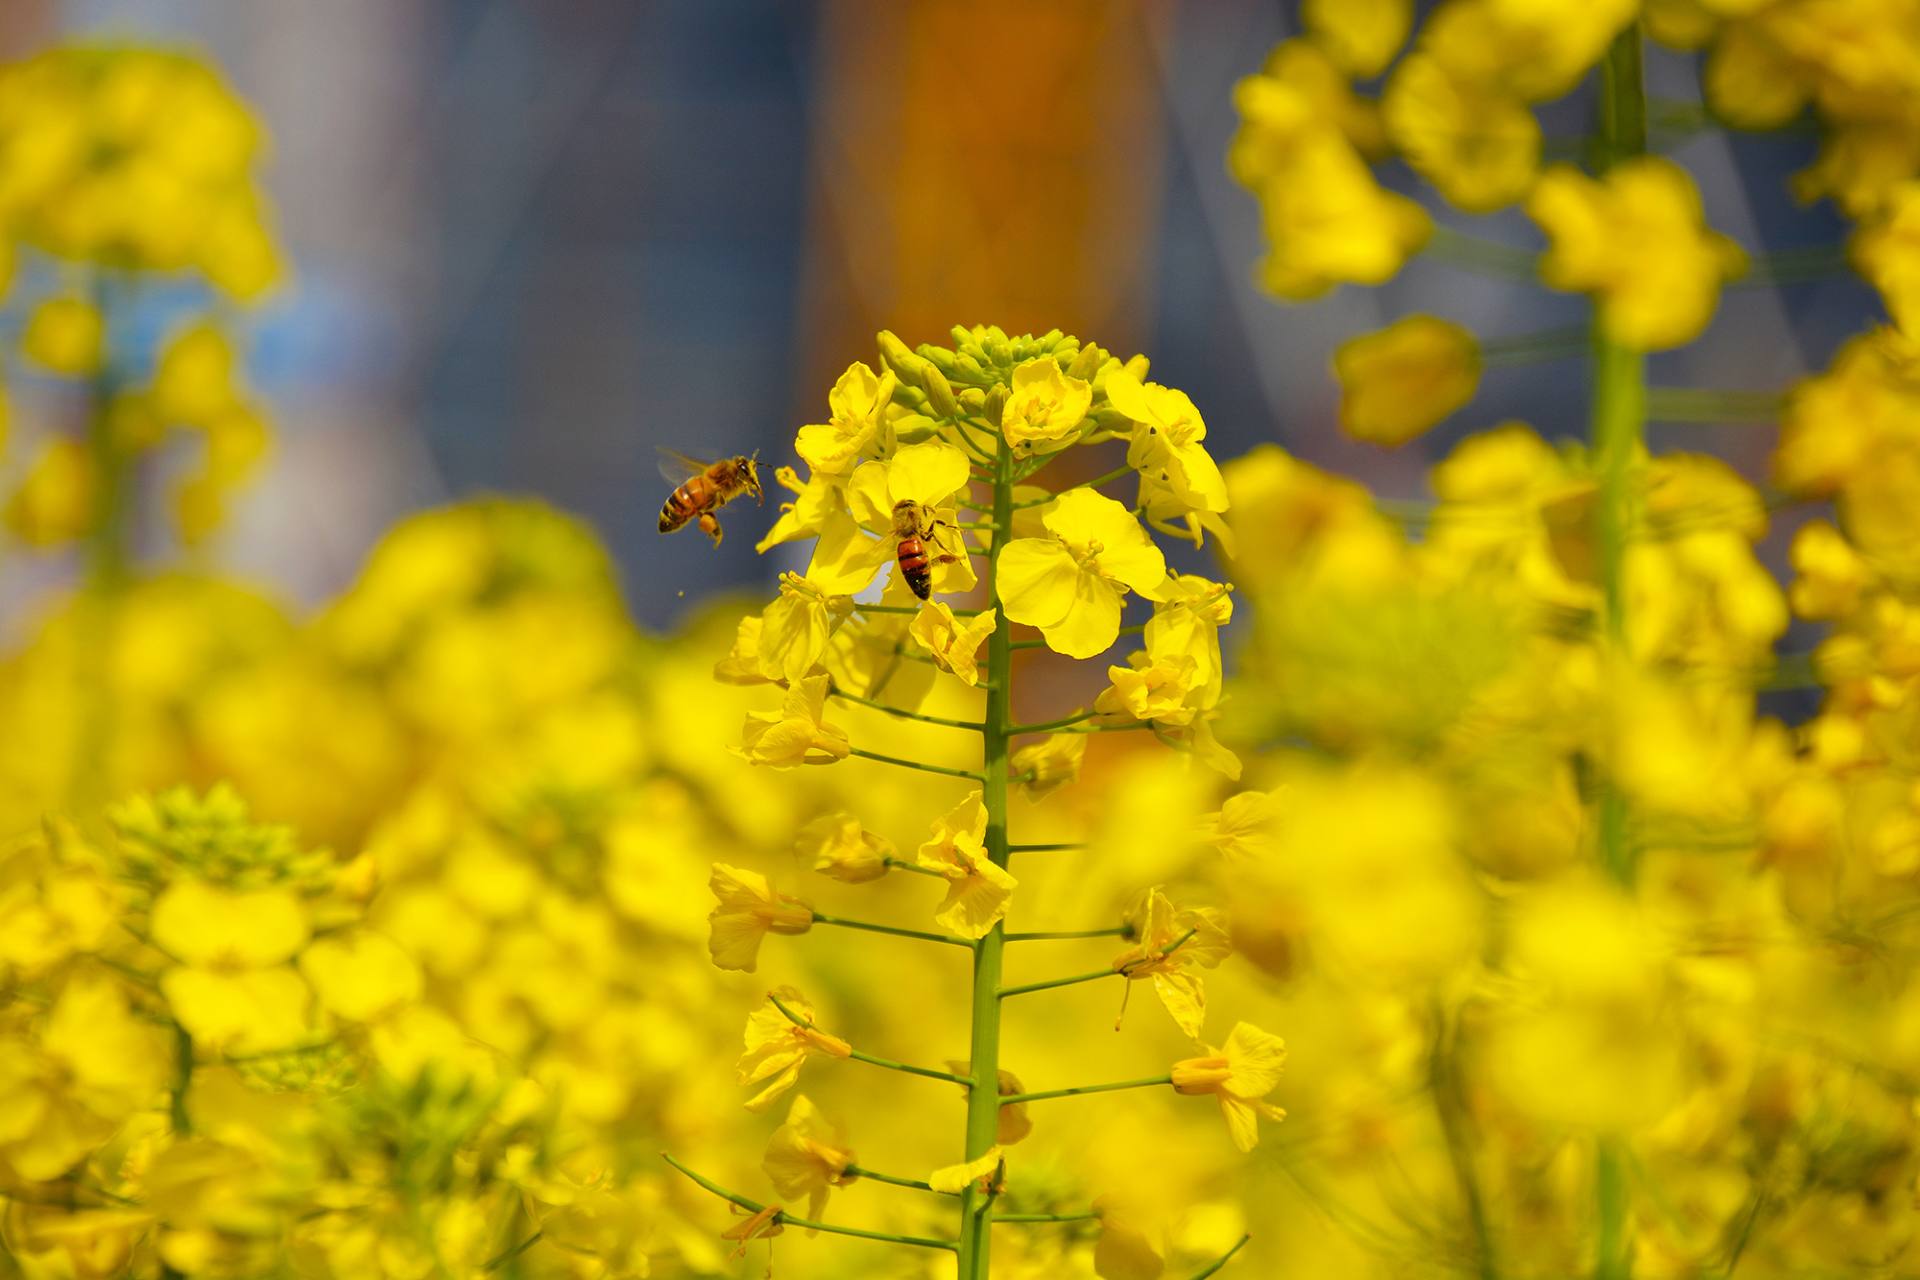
1097,853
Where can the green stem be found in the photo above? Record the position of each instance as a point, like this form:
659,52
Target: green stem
903,713
1120,931
901,608
1117,473
983,1099
901,864
922,766
1096,974
1088,1215
867,925
874,1175
874,1060
1613,1250
500,1260
1046,848
1699,404
1048,726
1526,348
787,1219
1449,1105
1221,1261
182,1081
1043,1094
1619,425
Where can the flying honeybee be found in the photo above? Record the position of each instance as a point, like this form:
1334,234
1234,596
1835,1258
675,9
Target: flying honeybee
705,487
918,549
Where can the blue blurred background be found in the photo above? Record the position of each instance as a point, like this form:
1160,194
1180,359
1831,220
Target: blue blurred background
534,241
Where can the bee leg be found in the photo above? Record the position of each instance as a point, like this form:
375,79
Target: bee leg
710,526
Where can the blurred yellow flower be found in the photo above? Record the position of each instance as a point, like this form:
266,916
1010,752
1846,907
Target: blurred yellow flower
1047,765
1071,583
90,1065
1157,926
57,500
1327,221
777,1047
1360,35
1405,379
1240,1074
836,845
748,911
977,889
66,334
1045,407
1637,240
797,734
360,976
1477,144
808,1156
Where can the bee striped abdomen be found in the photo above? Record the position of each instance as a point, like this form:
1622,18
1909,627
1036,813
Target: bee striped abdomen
915,566
683,504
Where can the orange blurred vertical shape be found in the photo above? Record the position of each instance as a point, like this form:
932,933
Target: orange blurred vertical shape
981,161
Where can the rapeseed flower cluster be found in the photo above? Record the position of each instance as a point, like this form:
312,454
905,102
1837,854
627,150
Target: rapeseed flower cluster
940,458
124,172
1605,928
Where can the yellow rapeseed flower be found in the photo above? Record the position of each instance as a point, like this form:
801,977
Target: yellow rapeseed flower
836,845
360,975
859,402
1240,1074
1047,765
1405,379
985,1171
1165,446
795,628
1070,584
777,1047
1157,926
808,1156
747,912
1360,35
954,645
977,889
67,334
1045,406
857,544
1638,241
1477,144
797,734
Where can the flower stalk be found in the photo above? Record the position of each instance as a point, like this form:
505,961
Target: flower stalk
983,1099
1618,431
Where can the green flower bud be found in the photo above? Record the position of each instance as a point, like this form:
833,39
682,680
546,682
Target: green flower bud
909,367
940,392
996,404
973,398
914,428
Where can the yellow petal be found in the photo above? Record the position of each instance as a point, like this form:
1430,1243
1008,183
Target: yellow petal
1038,581
200,923
361,975
928,473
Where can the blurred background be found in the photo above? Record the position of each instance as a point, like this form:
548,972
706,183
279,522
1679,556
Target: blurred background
533,242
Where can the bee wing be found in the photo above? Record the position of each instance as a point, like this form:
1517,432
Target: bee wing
676,466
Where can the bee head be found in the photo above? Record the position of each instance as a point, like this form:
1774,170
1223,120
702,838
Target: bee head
750,468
